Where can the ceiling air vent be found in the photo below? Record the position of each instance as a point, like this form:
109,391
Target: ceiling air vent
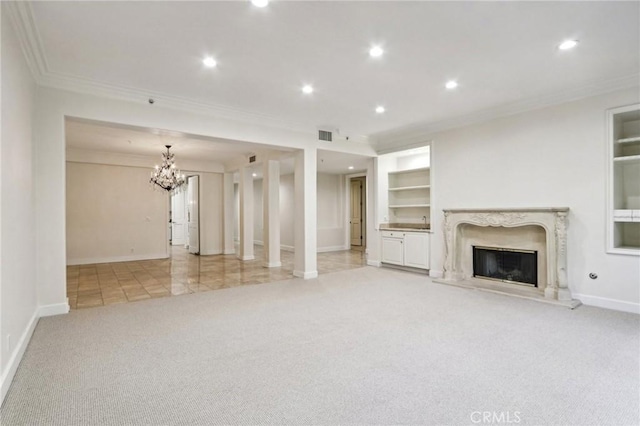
325,135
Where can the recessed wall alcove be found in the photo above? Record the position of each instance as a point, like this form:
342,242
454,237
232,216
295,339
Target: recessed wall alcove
543,230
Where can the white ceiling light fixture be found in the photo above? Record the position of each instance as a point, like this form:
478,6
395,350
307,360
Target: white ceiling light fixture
451,84
260,3
350,167
307,89
380,109
210,62
568,44
376,51
254,175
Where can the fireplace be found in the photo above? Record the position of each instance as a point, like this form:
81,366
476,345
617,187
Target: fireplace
539,236
506,265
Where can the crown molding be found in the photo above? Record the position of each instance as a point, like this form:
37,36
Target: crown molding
20,15
107,90
110,158
419,132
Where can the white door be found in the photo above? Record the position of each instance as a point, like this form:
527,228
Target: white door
193,214
179,219
356,213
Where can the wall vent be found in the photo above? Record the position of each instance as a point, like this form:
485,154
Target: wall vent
252,159
325,135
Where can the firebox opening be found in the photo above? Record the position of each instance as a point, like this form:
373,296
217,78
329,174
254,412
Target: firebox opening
506,265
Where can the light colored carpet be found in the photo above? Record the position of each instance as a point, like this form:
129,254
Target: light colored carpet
367,346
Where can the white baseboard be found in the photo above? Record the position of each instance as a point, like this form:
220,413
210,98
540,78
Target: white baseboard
332,248
230,251
436,274
305,275
246,257
603,302
55,309
131,258
272,264
375,263
210,253
319,249
16,356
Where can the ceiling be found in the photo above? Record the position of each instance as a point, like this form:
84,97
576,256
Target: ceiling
499,52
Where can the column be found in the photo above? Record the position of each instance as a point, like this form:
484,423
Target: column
246,214
228,212
271,213
305,215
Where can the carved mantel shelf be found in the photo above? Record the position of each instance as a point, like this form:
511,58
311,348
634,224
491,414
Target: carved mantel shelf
552,219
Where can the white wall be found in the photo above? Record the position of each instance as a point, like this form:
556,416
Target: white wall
258,227
331,212
113,214
287,212
236,212
18,299
211,211
550,157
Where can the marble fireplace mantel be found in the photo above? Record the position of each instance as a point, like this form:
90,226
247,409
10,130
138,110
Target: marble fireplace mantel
553,220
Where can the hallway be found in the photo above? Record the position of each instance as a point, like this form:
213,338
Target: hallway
122,282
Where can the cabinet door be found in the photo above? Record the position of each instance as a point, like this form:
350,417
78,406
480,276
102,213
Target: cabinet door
392,251
416,250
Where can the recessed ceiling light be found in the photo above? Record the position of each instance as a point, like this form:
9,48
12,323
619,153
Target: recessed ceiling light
568,44
307,88
451,84
350,167
209,62
255,175
376,51
259,3
380,109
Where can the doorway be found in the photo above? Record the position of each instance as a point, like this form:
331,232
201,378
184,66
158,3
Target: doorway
178,219
193,213
357,212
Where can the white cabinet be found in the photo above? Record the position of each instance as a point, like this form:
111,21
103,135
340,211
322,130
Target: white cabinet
416,250
406,249
623,145
393,250
410,196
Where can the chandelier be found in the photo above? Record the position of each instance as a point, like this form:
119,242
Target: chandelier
167,176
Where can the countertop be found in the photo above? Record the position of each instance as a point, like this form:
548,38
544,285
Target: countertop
404,227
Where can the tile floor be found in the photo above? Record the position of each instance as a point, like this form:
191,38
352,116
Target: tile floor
183,273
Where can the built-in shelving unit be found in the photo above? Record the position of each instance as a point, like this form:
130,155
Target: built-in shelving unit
410,195
624,180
